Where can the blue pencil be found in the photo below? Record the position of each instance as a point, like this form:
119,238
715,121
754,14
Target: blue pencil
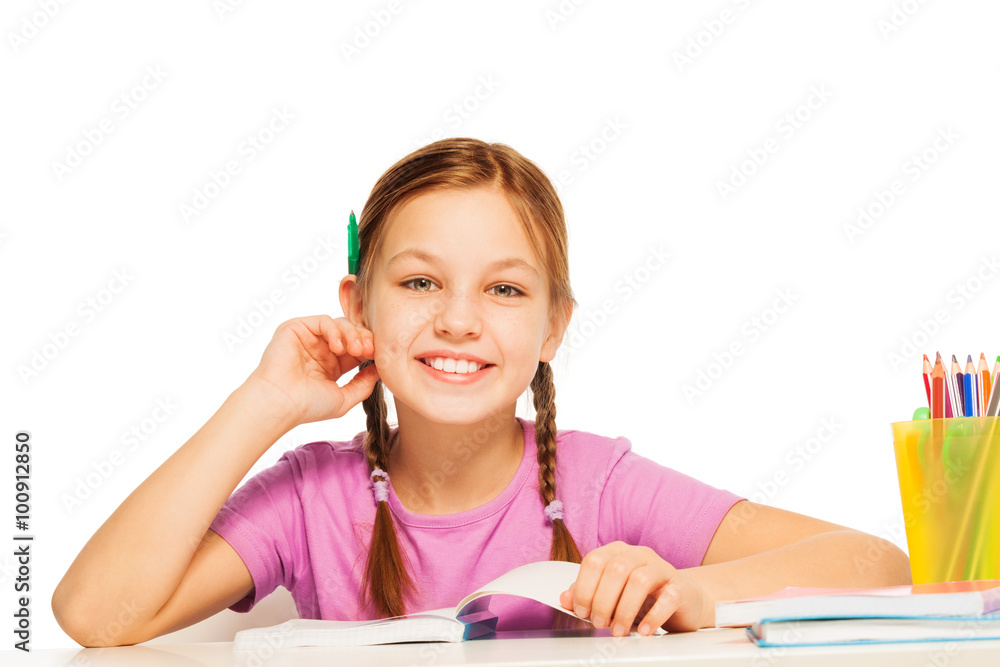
970,390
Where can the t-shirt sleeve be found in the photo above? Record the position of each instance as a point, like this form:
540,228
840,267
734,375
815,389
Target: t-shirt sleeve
259,521
647,504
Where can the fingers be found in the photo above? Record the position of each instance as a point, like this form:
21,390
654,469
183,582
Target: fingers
614,587
342,336
642,581
359,387
628,578
664,606
592,572
566,598
346,337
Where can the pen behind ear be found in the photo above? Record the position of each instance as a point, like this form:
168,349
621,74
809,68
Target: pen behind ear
353,247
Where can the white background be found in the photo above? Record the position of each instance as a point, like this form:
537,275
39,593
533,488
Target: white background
845,95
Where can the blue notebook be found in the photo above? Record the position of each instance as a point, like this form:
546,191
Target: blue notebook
820,632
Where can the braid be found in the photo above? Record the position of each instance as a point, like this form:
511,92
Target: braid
544,394
385,578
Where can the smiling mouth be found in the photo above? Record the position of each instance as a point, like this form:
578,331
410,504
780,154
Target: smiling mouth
443,369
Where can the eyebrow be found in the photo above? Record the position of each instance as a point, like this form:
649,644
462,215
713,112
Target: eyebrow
500,264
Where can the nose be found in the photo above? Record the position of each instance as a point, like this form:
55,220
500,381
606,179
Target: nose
459,314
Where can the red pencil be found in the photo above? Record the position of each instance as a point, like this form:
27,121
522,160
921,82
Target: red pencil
937,389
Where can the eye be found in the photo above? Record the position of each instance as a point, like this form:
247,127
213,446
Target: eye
509,289
423,281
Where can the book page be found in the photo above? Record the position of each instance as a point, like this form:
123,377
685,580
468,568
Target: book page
541,582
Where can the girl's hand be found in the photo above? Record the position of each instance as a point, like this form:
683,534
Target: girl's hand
303,361
620,584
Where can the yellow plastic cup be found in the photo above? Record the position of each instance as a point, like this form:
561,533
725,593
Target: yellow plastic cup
949,484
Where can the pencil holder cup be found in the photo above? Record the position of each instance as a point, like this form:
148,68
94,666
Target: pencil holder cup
949,483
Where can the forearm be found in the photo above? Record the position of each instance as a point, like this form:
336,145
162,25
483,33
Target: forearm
143,549
841,558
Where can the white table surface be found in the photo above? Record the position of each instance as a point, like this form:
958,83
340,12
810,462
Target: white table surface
705,648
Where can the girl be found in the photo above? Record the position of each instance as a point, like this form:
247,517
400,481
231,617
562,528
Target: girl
460,302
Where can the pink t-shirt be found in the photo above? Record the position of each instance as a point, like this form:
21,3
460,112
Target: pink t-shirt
305,522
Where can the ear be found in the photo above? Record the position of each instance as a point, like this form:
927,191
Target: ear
350,300
557,328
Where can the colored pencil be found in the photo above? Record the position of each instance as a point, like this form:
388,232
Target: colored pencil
959,376
982,386
951,401
937,389
994,409
927,379
996,373
970,389
987,381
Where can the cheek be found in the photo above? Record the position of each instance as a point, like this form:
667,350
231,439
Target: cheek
393,339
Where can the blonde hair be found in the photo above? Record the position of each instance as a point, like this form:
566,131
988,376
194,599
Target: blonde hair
462,163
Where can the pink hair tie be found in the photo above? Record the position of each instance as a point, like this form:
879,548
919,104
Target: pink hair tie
554,510
381,487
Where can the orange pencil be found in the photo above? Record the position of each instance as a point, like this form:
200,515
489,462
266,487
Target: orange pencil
984,384
937,389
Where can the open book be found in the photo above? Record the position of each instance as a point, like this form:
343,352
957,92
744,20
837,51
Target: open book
924,612
542,582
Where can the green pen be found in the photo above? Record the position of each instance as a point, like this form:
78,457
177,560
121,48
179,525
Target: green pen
353,251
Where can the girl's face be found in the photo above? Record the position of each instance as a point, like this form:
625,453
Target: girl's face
457,279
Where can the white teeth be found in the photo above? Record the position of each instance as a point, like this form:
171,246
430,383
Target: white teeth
452,365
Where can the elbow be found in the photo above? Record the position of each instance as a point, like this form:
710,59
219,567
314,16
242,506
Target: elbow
67,619
82,625
882,563
72,622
